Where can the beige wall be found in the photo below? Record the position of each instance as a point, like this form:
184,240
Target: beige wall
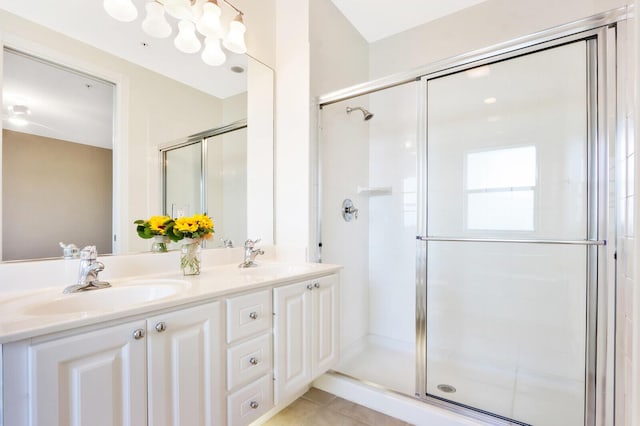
53,191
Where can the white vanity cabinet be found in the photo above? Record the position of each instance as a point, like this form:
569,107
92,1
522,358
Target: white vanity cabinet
306,333
165,370
185,359
249,357
95,378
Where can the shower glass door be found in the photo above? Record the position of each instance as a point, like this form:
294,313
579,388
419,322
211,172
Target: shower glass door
508,244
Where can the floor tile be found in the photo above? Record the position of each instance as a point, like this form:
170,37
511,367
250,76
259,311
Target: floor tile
363,414
319,408
318,396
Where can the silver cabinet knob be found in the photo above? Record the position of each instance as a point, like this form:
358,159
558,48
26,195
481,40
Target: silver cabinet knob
254,404
253,361
138,334
309,287
161,326
316,284
253,315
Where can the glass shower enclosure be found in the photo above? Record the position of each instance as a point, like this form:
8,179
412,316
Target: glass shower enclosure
473,262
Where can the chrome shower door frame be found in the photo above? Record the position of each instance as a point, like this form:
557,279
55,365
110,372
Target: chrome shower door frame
601,86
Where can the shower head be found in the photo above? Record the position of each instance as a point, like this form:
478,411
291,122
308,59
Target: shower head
367,115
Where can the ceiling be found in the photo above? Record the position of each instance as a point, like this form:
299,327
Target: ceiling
62,104
378,19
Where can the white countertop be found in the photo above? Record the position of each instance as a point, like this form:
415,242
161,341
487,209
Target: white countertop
25,314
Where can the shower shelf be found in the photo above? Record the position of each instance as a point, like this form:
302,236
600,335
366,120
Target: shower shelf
374,190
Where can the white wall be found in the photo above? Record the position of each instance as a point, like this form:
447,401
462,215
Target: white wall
628,217
292,125
339,58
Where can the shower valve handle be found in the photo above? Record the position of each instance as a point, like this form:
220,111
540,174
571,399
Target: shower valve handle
352,210
349,211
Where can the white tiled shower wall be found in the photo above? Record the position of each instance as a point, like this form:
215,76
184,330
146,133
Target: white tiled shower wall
628,295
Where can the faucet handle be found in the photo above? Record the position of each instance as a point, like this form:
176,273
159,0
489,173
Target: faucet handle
89,253
251,243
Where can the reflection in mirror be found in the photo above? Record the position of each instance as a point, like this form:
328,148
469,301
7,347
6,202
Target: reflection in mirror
208,173
150,109
57,155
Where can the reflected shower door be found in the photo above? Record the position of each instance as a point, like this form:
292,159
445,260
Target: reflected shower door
183,180
508,224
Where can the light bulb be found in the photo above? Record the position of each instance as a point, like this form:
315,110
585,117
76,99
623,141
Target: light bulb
179,9
122,10
212,53
209,23
155,24
186,40
234,41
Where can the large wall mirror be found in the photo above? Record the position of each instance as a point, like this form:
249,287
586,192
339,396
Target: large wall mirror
115,177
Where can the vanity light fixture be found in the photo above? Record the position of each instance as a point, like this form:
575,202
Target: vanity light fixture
194,17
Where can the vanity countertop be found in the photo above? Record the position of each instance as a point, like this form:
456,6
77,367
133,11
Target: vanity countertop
38,312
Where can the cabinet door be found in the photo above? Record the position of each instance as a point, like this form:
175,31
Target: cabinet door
95,378
292,334
324,349
185,361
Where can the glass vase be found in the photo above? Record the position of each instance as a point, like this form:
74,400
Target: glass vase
159,244
190,257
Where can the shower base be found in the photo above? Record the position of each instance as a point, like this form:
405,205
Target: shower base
388,363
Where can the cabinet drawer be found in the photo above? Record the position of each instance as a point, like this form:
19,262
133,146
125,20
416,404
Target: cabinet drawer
250,402
248,314
249,360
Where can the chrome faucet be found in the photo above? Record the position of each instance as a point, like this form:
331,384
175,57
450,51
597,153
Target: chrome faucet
250,253
89,270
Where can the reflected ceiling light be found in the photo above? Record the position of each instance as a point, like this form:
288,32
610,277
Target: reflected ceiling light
201,15
491,100
122,10
18,115
478,72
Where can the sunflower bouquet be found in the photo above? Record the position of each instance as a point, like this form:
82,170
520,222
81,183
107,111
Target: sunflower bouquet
154,226
194,227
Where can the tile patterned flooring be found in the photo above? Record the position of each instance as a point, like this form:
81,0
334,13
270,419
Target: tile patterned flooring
319,408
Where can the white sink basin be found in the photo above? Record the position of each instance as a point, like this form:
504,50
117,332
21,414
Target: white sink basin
108,299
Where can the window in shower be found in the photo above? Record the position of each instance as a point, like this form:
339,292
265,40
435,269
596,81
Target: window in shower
500,186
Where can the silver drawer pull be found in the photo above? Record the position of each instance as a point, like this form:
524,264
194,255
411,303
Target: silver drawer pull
254,404
316,285
253,315
138,334
253,361
309,287
161,326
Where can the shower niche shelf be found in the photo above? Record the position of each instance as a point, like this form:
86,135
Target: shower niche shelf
374,190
